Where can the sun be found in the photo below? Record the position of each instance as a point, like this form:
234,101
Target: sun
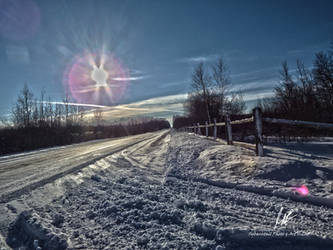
99,76
96,78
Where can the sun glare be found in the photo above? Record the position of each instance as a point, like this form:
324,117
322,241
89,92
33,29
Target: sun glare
94,78
100,76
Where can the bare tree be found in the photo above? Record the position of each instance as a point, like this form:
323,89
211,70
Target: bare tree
308,99
323,78
49,114
286,92
201,82
236,104
209,96
58,115
66,109
98,115
80,114
35,113
305,95
221,81
5,121
22,111
42,109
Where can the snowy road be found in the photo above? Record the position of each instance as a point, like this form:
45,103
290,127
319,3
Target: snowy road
22,172
173,191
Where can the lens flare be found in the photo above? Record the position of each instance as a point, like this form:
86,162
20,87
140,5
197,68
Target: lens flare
302,190
94,78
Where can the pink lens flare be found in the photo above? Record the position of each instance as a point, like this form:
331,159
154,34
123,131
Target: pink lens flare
96,78
302,190
19,20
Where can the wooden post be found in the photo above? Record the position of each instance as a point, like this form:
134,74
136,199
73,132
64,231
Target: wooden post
258,131
198,127
194,129
228,129
206,124
215,129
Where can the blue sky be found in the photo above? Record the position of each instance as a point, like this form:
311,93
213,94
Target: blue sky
158,42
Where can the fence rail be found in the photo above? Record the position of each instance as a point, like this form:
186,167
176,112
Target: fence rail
258,120
302,123
247,120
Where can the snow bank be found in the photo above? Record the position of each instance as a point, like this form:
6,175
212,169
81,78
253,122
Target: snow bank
29,228
178,191
204,160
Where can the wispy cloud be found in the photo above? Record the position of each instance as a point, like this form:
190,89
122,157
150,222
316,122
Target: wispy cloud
170,84
202,58
75,104
135,72
164,107
130,78
170,99
267,83
259,95
62,49
134,75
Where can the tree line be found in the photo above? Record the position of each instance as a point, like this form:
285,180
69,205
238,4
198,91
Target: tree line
305,95
36,124
211,95
29,111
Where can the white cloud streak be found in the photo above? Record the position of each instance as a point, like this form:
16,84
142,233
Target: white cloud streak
75,104
130,78
256,96
197,59
163,106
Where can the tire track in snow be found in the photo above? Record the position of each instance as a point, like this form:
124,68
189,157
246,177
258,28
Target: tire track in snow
5,197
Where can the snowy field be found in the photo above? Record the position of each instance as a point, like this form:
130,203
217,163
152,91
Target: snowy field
182,191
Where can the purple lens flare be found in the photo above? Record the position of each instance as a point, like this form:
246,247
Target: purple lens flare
302,190
96,78
19,19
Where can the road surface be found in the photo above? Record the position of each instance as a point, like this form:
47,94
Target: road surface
20,173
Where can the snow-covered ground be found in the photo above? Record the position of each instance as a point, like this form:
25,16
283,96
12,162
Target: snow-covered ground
284,166
182,191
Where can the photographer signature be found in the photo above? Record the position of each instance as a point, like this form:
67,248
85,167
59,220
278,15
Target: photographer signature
283,220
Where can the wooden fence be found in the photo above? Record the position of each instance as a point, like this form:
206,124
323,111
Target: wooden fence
257,119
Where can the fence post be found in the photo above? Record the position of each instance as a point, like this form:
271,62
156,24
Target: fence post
215,129
228,129
198,128
206,124
258,131
194,129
